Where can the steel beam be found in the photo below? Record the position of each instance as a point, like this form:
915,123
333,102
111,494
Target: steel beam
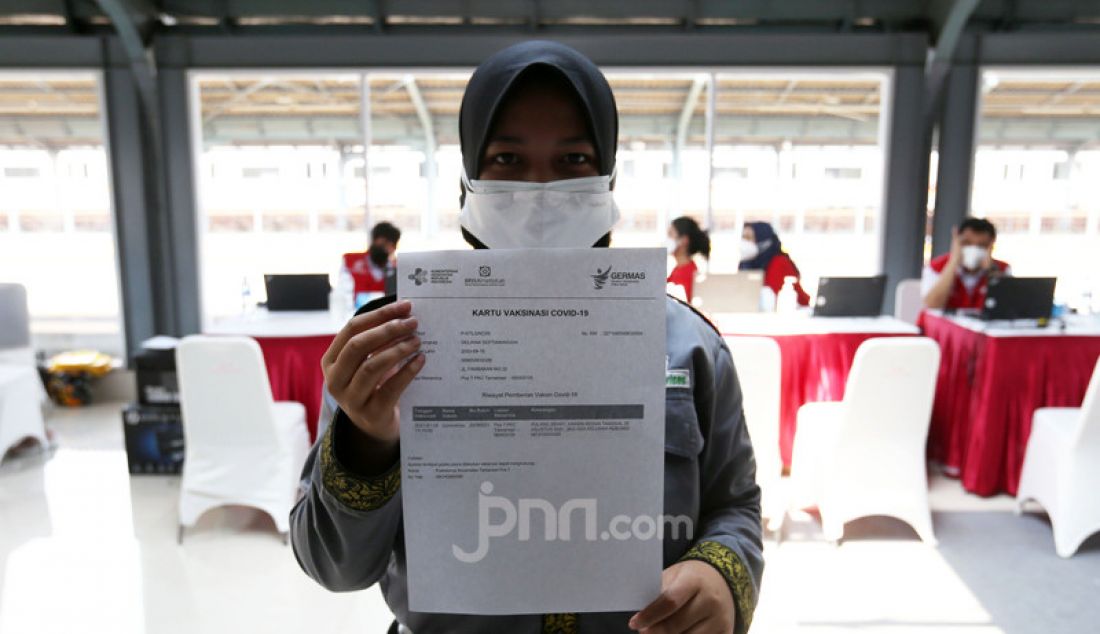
906,187
612,49
683,124
430,223
956,144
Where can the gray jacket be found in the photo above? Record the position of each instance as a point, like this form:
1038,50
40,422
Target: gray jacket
348,534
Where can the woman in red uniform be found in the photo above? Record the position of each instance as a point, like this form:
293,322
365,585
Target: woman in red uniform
686,239
761,250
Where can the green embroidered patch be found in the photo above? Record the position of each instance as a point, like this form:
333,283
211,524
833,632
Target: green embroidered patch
678,379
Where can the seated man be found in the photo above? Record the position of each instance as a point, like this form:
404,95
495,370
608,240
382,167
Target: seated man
369,269
957,280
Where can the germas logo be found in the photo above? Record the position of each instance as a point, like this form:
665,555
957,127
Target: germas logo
607,277
420,276
600,278
558,523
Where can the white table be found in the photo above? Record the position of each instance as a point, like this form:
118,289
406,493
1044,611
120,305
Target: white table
992,378
774,325
816,355
1070,325
263,323
293,343
21,397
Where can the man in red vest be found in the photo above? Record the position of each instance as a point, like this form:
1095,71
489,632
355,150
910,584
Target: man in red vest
368,269
957,280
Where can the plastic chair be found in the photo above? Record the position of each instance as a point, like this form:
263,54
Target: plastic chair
1062,469
15,336
241,447
758,364
865,455
908,301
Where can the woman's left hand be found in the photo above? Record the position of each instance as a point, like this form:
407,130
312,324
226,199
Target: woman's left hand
694,599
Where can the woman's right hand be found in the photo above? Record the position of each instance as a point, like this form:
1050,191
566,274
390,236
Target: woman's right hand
363,371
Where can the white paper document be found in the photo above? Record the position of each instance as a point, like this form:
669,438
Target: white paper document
532,442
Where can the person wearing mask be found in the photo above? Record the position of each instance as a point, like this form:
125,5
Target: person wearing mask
538,121
958,280
761,250
686,240
368,270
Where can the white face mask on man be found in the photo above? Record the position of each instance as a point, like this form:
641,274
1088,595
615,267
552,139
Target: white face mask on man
973,256
575,212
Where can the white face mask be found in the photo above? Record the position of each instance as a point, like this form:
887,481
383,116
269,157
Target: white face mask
973,256
749,250
575,212
672,246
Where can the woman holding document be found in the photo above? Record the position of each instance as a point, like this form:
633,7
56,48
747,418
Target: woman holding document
538,121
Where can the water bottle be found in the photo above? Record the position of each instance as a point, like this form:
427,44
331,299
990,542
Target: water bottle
767,300
246,296
345,292
786,302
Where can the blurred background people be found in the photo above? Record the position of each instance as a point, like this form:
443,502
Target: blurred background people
958,280
761,250
368,268
686,240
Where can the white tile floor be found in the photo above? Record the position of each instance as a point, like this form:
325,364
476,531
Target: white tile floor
86,548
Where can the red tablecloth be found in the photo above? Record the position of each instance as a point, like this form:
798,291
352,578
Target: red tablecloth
987,391
813,368
294,369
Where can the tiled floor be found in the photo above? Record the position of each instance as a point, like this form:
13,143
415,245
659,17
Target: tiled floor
86,548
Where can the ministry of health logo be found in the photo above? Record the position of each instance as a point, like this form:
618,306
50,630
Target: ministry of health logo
419,276
600,278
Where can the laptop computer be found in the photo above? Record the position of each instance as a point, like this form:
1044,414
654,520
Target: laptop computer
1019,298
850,296
728,293
308,291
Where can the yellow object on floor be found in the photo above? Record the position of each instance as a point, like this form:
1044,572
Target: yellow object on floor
94,364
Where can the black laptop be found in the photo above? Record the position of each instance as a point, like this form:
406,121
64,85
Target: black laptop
307,291
1019,298
850,296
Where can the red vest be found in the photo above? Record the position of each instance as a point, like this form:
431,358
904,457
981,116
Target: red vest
779,269
684,275
358,264
960,297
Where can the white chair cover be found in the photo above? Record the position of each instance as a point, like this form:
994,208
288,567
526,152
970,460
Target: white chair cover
1062,468
866,455
15,315
758,363
241,447
15,335
907,301
21,397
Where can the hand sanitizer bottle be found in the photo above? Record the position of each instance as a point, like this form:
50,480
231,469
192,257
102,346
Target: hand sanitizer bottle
787,301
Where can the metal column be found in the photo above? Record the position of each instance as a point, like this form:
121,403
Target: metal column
154,201
954,175
906,192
